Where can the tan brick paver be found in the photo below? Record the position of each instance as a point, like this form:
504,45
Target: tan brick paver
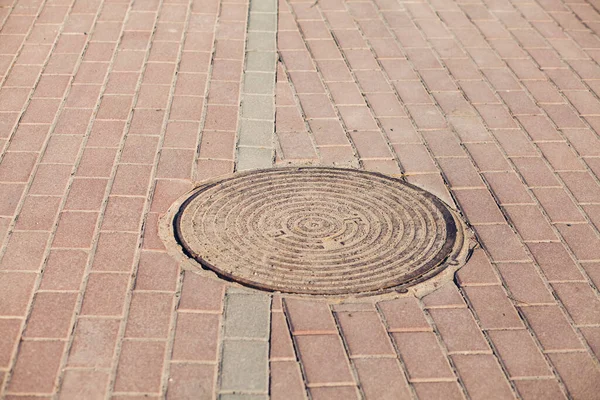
112,109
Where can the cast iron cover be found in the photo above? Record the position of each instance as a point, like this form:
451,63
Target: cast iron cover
325,231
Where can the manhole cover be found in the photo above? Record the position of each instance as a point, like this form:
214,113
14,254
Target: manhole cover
321,231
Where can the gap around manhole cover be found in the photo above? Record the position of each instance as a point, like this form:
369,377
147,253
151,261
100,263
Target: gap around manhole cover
320,231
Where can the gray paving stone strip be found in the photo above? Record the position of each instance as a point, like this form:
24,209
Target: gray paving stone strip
244,372
256,136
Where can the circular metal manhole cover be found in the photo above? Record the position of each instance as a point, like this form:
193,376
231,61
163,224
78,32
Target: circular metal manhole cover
324,231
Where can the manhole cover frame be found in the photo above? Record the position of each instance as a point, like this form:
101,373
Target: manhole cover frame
434,277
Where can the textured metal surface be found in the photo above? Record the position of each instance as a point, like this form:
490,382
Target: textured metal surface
318,231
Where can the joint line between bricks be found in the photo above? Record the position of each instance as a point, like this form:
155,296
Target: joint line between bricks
402,365
346,348
444,348
295,348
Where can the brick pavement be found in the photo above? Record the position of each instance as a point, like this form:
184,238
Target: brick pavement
110,110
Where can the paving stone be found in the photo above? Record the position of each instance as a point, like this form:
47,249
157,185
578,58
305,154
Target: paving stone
286,381
435,184
525,283
536,389
156,271
254,158
370,145
417,346
535,172
256,133
196,337
201,293
247,315
579,237
381,378
51,315
554,261
263,6
460,172
94,343
581,185
459,330
580,301
551,328
261,41
482,376
403,314
316,106
280,342
37,367
105,294
258,107
364,333
188,381
149,315
166,192
492,307
289,119
592,336
259,82
479,206
244,365
87,384
324,359
446,296
140,366
115,252
309,317
501,242
10,329
519,353
262,22
578,372
16,291
24,251
558,205
49,180
478,270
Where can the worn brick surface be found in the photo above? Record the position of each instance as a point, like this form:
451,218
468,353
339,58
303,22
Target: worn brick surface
381,378
482,376
109,111
286,381
416,346
364,333
324,359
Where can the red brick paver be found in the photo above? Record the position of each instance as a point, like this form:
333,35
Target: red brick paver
111,109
